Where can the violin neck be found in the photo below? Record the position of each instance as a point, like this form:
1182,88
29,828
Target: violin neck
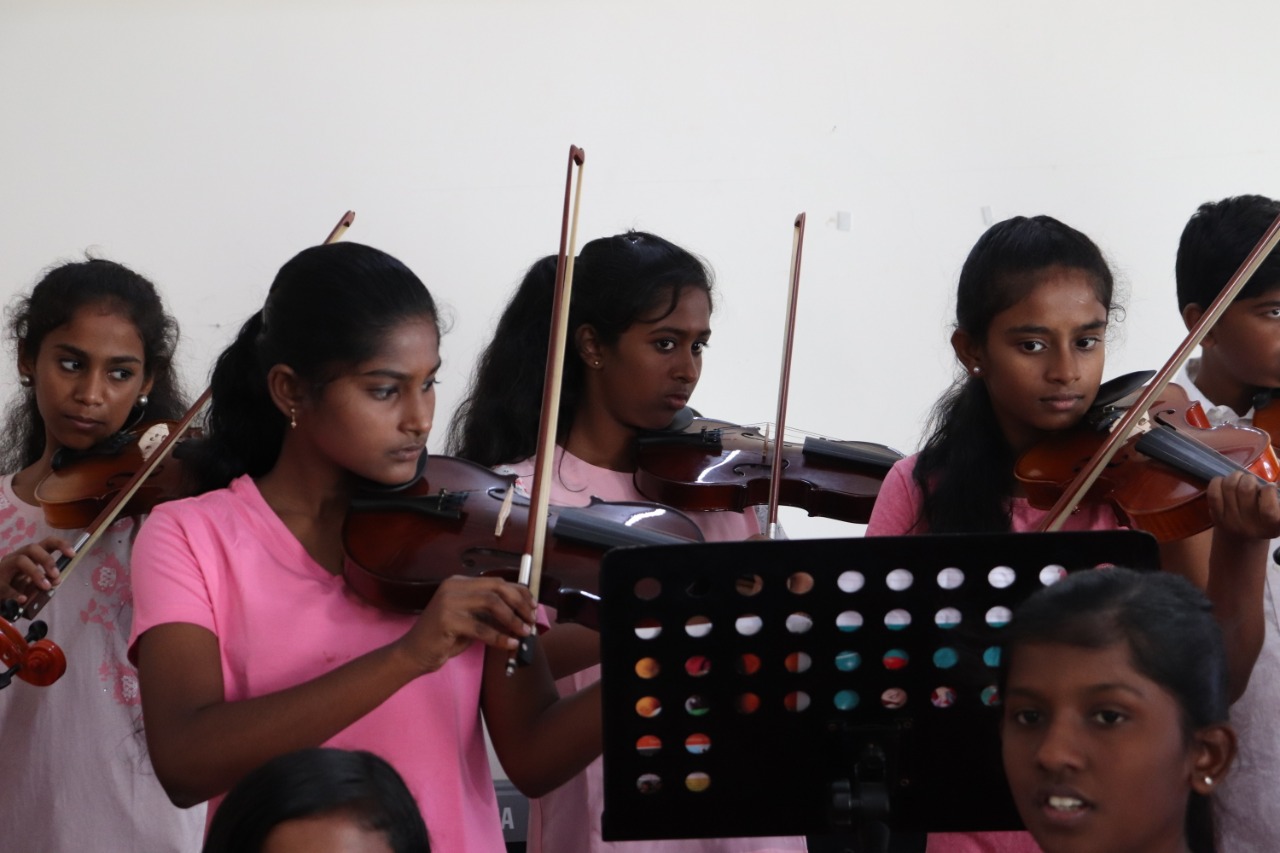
581,525
1185,454
856,452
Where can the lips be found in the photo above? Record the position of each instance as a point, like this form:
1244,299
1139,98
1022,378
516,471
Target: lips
1063,807
1062,402
408,453
677,400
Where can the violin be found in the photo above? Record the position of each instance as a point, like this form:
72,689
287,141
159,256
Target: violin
715,465
81,484
1157,478
400,544
1266,412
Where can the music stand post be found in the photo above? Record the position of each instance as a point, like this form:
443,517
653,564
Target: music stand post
810,686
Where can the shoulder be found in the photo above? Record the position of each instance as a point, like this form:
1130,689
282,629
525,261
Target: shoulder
897,509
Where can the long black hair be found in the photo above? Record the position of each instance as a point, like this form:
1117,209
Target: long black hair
1173,640
617,282
62,292
318,782
329,308
965,469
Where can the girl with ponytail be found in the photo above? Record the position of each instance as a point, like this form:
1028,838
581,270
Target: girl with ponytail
1032,309
250,645
639,323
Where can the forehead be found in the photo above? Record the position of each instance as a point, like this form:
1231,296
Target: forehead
692,310
98,329
1062,669
1061,295
412,339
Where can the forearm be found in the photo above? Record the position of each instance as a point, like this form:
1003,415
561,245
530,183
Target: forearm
1236,586
201,749
542,740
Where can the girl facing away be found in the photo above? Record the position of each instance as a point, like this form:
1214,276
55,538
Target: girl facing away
250,645
1115,726
319,799
1032,309
94,354
639,320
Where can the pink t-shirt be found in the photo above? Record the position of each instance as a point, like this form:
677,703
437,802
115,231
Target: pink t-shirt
897,513
568,819
226,562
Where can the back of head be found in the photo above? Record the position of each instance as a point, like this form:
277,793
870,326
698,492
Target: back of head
62,292
617,281
313,783
329,308
1215,242
965,468
1165,621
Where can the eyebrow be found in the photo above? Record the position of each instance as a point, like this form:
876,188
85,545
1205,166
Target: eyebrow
84,356
398,374
674,330
1044,330
1028,693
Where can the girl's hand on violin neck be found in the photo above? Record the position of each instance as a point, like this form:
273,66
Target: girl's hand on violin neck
31,567
464,609
1244,506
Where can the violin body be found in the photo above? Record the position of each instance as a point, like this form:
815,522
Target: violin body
400,545
82,484
1164,496
714,465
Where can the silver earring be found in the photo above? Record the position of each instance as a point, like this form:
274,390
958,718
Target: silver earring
596,363
293,418
142,401
24,380
1208,780
977,371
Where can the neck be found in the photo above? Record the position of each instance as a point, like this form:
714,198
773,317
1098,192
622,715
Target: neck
311,496
26,480
1222,389
598,439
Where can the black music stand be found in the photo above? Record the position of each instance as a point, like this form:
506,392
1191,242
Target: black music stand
818,686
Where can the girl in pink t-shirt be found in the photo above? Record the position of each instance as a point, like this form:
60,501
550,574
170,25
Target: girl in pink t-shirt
250,645
639,320
1032,308
95,353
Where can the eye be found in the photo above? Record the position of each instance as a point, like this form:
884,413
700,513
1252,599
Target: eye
1109,716
1272,313
1026,717
430,384
383,392
121,374
1031,346
665,345
699,346
1088,343
70,364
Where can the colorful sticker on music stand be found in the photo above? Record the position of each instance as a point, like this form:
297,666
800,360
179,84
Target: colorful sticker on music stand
697,743
848,661
647,668
893,698
846,700
697,666
648,745
697,782
648,706
990,696
697,705
945,658
943,697
896,659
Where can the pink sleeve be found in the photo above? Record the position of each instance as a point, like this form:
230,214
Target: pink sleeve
168,585
897,509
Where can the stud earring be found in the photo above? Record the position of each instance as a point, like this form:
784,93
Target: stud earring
24,380
143,400
1208,780
977,370
293,418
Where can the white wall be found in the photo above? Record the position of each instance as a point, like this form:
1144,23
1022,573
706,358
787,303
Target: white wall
205,143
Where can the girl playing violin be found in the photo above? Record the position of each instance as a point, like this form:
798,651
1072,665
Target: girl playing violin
248,643
95,353
1239,359
640,319
1115,727
1032,308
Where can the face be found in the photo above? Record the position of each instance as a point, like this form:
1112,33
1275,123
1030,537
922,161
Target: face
1043,357
650,372
1246,341
324,834
373,420
87,376
1095,752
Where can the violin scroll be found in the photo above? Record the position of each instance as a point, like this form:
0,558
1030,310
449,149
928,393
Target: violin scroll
31,658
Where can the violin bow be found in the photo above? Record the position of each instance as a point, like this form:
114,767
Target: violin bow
1089,474
784,383
13,648
549,420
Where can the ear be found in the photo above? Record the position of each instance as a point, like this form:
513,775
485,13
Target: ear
968,351
1191,315
287,390
1212,748
26,365
588,345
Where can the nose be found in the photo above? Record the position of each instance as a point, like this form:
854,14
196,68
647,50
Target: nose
1059,748
1064,367
90,388
687,368
419,413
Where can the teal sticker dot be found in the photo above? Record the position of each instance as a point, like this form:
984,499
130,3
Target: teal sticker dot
846,700
990,696
848,661
896,659
945,658
991,657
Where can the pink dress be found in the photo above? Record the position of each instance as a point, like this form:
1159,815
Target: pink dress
226,562
568,819
897,513
78,773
